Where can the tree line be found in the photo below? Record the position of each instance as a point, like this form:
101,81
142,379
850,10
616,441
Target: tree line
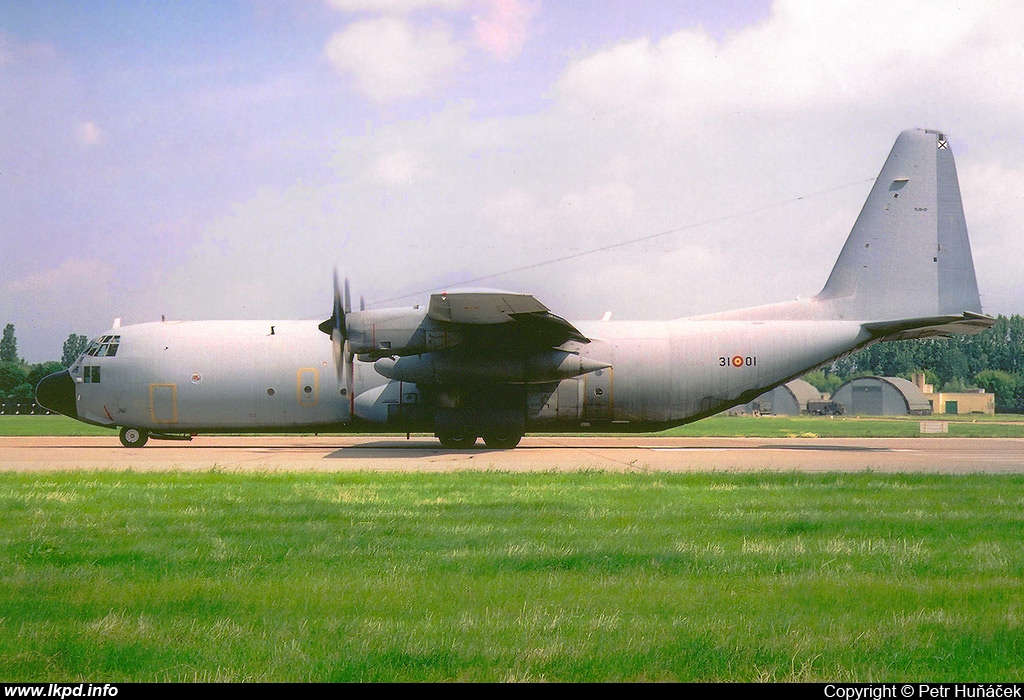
992,360
18,379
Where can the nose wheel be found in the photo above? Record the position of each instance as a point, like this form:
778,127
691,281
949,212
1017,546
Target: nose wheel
133,437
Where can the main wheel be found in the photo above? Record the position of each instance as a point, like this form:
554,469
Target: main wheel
133,437
502,440
457,442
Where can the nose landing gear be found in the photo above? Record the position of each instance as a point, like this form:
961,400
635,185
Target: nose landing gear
133,437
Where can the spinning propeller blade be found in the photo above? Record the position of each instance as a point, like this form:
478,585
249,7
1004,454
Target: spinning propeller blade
343,359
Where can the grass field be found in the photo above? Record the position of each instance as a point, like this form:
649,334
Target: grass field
716,426
61,426
850,426
474,576
489,576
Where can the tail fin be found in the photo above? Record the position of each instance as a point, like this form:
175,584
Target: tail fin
908,258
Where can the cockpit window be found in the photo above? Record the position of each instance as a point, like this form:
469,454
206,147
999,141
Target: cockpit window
104,347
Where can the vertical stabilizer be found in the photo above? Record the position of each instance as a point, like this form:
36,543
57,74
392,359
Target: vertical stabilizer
908,256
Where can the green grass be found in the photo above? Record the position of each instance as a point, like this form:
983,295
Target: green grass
716,426
474,576
61,426
849,426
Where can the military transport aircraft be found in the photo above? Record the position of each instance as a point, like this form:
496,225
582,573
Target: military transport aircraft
495,365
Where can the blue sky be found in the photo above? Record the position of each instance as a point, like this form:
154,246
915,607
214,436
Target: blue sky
217,160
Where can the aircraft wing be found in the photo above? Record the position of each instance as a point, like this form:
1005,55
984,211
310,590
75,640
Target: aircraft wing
486,337
504,315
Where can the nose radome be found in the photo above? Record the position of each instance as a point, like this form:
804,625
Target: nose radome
57,392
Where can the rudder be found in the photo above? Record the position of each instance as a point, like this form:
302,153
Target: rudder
908,255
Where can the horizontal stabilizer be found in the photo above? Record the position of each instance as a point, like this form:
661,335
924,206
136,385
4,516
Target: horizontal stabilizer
967,323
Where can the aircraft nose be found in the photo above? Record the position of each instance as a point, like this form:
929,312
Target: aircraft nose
57,392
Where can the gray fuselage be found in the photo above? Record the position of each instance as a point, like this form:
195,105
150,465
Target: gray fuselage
196,376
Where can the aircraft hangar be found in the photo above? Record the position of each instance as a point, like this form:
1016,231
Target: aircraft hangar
790,399
882,396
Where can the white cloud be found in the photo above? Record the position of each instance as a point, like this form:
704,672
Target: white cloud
397,168
391,59
993,197
516,212
89,134
596,213
811,55
588,216
688,134
502,28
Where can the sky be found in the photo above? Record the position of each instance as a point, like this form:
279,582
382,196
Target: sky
652,158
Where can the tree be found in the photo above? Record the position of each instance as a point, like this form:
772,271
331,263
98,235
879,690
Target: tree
41,370
73,347
825,383
9,345
1007,388
949,362
11,379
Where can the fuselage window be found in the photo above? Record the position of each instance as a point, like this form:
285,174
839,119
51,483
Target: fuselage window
91,375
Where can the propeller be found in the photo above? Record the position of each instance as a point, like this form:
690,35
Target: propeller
341,346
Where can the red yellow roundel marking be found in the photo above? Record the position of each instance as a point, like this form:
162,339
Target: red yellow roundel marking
737,361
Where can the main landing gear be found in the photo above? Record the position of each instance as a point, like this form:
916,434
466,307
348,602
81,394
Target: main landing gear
502,440
457,442
495,440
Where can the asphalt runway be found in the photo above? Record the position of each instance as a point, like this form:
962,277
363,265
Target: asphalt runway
541,453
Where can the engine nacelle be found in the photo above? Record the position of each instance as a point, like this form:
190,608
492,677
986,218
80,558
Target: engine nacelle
456,368
387,332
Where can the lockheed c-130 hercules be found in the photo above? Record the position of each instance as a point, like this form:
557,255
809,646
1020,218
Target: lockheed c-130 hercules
495,365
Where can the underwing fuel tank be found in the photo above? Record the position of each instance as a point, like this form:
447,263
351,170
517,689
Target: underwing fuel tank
443,368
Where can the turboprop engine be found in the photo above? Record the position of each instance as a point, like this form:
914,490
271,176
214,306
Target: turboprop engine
397,332
458,367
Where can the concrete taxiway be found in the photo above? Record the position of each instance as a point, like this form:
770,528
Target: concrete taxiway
540,453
